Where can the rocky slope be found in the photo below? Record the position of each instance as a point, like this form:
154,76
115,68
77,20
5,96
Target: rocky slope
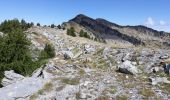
106,31
87,70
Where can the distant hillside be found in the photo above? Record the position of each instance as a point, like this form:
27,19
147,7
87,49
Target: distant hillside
109,32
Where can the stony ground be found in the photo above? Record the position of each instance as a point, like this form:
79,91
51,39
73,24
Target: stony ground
88,70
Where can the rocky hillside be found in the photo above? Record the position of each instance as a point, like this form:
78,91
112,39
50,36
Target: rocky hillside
106,31
87,70
104,66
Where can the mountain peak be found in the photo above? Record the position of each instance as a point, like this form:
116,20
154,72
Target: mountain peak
80,16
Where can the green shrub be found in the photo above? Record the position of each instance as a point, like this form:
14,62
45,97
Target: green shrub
59,26
52,25
83,34
71,32
48,52
14,49
38,24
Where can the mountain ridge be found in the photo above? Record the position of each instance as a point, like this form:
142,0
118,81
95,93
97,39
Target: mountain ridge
111,32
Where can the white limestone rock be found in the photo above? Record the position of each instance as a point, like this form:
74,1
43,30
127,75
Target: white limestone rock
68,55
11,77
128,68
89,48
21,89
157,80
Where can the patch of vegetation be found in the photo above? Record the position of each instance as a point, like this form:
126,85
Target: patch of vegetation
33,97
60,88
47,88
34,33
71,81
48,52
52,26
129,85
15,53
165,87
121,97
71,32
84,34
167,61
9,26
147,93
105,97
82,72
102,64
112,90
99,52
112,61
78,95
59,26
38,24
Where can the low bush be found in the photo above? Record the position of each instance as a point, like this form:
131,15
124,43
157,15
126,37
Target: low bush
15,53
84,34
71,32
48,52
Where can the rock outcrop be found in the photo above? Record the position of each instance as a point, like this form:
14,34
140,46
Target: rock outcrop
86,69
11,77
157,80
128,68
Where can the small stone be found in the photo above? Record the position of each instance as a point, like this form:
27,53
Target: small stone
68,55
164,57
83,96
127,77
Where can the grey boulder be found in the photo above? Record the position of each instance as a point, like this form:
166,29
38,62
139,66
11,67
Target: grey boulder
157,80
11,77
128,68
68,55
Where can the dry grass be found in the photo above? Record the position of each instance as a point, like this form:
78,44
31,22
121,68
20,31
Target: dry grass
73,81
167,61
165,87
112,90
33,97
122,97
47,88
102,98
81,72
78,95
60,88
147,93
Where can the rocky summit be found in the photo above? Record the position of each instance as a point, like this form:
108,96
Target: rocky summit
104,61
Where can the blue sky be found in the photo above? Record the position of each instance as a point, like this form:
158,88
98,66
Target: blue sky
152,13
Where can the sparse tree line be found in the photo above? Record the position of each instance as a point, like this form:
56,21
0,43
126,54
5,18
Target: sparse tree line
15,53
71,31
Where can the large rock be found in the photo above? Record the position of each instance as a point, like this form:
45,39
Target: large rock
22,89
42,72
157,80
78,54
128,68
106,52
68,55
164,57
157,69
11,77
